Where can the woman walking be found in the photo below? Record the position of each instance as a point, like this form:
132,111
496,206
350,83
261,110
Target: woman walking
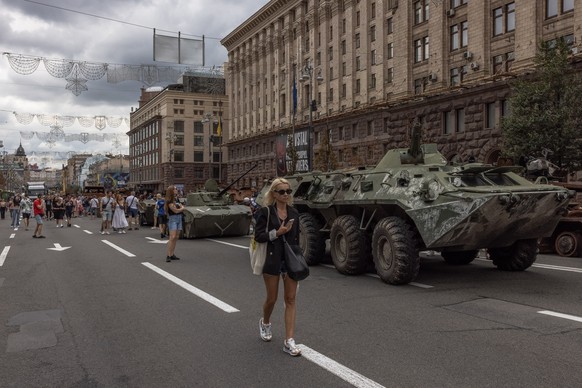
59,210
119,222
272,230
174,210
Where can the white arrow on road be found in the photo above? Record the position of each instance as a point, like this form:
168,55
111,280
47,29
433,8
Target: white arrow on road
59,248
156,241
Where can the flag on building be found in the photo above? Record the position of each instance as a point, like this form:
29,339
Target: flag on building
219,128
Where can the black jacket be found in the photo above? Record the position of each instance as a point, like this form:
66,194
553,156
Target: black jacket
275,247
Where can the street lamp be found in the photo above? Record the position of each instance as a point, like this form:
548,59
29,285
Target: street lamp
307,75
207,119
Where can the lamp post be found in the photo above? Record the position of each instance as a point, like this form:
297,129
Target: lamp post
207,119
307,75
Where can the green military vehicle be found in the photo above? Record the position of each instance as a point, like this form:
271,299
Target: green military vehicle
414,200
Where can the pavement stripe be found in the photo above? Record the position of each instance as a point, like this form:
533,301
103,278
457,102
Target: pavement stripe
87,231
126,253
558,268
12,235
4,254
560,315
341,371
229,244
196,291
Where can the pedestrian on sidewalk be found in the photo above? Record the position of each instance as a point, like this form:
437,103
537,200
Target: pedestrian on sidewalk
173,209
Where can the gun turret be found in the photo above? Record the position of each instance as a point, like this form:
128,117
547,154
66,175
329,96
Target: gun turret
236,180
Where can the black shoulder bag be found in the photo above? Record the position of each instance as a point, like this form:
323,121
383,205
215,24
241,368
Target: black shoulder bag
297,267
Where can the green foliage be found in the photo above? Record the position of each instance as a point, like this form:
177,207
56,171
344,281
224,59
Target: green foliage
326,159
546,110
292,154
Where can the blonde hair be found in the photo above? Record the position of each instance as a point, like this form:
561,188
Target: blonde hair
269,197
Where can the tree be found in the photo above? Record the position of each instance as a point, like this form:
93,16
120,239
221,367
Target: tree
326,159
292,154
546,110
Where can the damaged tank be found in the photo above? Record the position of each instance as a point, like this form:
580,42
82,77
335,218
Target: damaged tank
212,213
414,200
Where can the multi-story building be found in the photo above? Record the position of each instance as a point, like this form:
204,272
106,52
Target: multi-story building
174,136
373,66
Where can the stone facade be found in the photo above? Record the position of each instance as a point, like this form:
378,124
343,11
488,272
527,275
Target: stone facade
383,63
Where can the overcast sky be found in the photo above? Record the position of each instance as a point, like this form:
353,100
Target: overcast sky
52,31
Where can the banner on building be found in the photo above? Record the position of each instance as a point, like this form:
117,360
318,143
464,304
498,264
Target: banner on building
177,49
282,146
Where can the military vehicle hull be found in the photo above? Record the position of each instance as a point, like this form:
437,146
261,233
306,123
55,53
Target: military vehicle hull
216,221
384,216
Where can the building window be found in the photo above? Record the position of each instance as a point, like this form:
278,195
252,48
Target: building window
505,108
344,90
389,26
178,156
372,33
458,3
357,39
373,57
373,10
390,51
344,26
454,121
501,23
178,173
330,53
421,11
459,35
343,47
198,141
198,127
340,133
455,76
179,125
421,51
502,63
490,115
357,91
357,18
372,81
420,85
460,119
198,156
179,140
358,63
389,74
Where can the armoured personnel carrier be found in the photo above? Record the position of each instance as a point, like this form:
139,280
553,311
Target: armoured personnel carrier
211,212
414,200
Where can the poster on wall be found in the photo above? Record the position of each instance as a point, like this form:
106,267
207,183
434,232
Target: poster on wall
301,140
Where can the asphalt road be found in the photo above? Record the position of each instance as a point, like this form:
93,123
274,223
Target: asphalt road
108,311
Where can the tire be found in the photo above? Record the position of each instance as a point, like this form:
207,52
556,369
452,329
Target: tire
395,251
517,257
311,240
350,246
459,257
568,243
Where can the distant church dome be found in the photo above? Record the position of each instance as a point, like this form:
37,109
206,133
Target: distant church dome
20,151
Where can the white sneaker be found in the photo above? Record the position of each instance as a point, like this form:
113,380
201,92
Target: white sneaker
290,347
107,233
102,232
265,331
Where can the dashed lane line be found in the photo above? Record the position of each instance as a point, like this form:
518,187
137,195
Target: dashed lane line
126,253
560,315
87,231
196,291
4,254
12,235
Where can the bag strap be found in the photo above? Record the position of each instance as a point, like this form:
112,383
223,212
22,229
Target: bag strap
268,219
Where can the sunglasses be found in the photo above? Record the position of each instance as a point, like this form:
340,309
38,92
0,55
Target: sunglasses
281,192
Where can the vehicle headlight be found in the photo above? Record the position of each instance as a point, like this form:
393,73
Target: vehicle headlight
431,191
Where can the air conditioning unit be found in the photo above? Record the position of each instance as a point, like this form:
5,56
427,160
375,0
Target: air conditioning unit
474,66
432,77
451,13
467,55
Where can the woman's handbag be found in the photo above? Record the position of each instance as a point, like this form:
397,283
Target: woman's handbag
258,251
297,267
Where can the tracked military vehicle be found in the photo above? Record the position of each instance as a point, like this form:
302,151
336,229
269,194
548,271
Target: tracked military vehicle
414,200
212,213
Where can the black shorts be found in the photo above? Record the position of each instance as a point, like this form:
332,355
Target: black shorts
162,219
26,215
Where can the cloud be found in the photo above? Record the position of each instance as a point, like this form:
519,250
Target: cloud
52,32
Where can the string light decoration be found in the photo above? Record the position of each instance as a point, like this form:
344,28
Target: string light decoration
77,73
100,122
57,134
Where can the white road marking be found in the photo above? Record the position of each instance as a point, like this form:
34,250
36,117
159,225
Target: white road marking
558,268
76,226
343,372
196,291
229,244
58,248
126,253
4,254
560,315
87,231
156,241
12,235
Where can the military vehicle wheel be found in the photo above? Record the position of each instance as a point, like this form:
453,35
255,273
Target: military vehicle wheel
395,251
459,257
517,257
350,246
568,243
311,239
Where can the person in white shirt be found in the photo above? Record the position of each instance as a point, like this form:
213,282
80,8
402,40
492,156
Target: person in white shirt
132,203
